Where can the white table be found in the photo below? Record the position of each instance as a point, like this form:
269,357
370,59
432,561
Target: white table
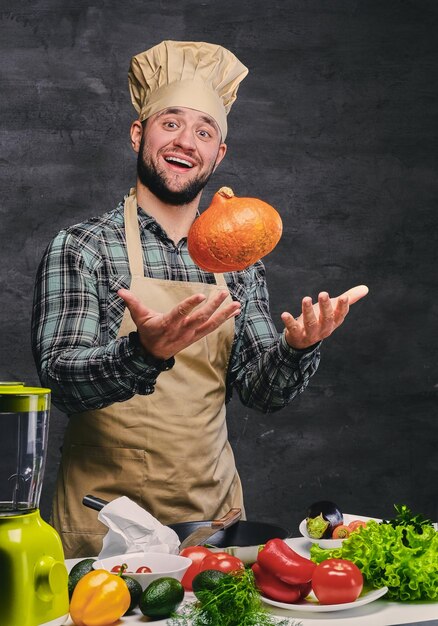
381,612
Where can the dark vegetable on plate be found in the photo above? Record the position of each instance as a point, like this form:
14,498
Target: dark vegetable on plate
322,518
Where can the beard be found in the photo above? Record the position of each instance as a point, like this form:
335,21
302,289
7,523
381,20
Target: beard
155,181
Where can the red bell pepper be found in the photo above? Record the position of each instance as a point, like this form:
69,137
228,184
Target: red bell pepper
274,588
280,560
305,589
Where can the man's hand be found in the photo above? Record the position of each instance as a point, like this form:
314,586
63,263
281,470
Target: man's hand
165,334
318,321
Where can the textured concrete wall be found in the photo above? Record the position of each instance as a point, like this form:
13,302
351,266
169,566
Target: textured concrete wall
336,126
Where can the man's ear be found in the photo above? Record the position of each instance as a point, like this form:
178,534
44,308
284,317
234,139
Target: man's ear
220,154
136,135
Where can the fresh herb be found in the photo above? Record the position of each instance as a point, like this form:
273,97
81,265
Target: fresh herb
235,601
401,554
405,517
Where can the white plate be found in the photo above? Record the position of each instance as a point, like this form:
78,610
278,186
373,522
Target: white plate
333,543
312,605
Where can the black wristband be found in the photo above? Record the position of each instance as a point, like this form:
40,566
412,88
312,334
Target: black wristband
162,365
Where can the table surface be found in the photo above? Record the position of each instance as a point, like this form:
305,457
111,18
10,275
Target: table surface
381,612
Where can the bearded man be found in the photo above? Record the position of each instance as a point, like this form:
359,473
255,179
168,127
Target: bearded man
140,347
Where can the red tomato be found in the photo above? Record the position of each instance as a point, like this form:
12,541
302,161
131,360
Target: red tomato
197,554
144,569
355,524
116,568
336,581
221,561
341,532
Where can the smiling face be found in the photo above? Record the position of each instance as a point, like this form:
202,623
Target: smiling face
179,150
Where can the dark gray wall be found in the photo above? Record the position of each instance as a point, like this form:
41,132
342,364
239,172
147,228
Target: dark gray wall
336,126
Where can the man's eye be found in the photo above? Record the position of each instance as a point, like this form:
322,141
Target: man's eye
204,134
170,124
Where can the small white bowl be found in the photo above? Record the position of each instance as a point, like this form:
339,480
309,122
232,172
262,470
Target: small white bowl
161,564
332,543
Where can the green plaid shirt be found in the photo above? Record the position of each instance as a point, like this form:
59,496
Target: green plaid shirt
77,314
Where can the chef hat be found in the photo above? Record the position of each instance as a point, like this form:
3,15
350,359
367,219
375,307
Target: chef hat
193,74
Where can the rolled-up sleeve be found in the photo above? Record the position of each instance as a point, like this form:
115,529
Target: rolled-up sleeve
82,370
265,371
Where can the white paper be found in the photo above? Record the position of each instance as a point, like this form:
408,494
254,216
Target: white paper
132,529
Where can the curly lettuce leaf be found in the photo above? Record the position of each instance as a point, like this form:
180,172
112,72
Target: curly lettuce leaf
400,558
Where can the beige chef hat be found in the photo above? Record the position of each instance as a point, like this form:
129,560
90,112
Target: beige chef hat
193,74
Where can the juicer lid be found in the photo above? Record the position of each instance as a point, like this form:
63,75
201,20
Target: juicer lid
15,397
18,387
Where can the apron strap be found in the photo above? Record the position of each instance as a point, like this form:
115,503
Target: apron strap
132,230
220,280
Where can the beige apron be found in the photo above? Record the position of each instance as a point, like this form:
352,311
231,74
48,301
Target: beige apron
167,451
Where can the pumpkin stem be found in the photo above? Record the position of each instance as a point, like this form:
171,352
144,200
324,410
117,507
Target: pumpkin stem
226,192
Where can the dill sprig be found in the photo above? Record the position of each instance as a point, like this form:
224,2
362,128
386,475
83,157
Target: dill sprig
235,601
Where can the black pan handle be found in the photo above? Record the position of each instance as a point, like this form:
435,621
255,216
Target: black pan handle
93,502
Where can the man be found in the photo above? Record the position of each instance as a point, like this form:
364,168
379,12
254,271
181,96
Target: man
145,385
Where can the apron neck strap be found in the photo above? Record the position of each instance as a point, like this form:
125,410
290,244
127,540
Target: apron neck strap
220,280
133,242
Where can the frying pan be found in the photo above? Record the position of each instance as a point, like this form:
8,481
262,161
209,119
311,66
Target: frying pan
242,533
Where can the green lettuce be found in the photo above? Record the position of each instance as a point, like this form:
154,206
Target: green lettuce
403,558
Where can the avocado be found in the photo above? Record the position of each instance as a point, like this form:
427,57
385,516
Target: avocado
135,592
77,572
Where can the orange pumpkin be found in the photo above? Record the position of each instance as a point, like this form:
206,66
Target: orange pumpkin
232,233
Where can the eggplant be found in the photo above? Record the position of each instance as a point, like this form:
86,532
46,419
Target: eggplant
322,518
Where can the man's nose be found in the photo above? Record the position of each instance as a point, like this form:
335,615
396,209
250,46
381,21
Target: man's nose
185,139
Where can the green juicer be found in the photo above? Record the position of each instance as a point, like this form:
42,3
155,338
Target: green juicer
33,576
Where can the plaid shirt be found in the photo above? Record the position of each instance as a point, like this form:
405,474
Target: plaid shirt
77,314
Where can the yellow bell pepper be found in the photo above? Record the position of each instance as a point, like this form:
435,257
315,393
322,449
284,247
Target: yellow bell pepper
99,599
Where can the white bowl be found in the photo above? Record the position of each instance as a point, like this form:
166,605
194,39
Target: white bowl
332,543
161,564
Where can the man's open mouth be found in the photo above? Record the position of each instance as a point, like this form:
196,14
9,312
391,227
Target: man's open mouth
179,162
